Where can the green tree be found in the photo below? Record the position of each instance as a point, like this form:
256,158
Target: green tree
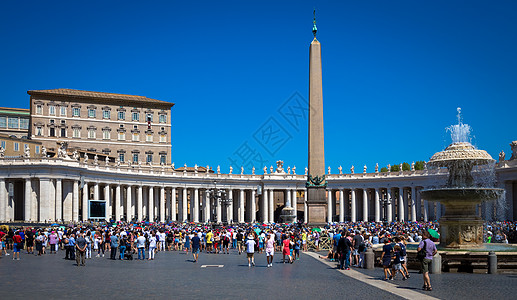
395,168
406,167
419,165
384,170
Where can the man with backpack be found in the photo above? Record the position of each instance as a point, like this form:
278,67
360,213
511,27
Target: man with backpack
430,250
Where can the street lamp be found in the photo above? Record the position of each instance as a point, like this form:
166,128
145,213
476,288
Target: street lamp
385,203
220,196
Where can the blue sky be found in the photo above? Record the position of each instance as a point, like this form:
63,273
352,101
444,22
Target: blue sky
393,72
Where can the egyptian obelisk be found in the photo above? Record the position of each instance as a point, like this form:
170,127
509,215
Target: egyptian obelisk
316,182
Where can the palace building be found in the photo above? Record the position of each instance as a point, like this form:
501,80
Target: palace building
127,127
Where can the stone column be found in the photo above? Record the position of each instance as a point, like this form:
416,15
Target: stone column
59,199
293,201
305,208
377,206
413,204
265,206
44,200
207,215
389,213
107,198
329,206
140,202
341,206
129,200
52,201
85,201
162,204
3,200
195,209
242,199
365,205
28,198
118,203
184,207
401,205
219,211
151,204
439,210
353,208
67,201
230,207
75,201
426,211
173,204
253,207
271,209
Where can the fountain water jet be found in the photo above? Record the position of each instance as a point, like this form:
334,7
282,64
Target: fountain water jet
460,227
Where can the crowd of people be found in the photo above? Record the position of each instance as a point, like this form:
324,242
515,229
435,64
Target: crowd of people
347,242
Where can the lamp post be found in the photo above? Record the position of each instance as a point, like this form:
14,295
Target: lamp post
385,203
219,196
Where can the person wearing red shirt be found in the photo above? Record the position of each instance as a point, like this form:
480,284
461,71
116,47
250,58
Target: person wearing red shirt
17,241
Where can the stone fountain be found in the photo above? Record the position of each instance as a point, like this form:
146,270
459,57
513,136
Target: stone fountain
467,186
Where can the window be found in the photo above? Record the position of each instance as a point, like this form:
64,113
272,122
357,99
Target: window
121,157
24,123
52,110
163,138
135,157
39,131
76,133
91,113
37,150
135,116
163,158
163,119
16,146
63,132
149,138
14,122
39,109
149,117
62,110
106,134
52,121
76,112
3,144
136,137
149,158
106,114
3,122
52,131
121,136
91,133
135,127
121,115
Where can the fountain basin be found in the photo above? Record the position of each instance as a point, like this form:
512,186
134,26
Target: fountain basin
460,226
288,214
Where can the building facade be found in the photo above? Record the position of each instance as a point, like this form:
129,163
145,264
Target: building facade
130,128
49,189
14,122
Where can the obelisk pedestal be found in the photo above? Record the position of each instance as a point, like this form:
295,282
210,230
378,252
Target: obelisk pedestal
316,182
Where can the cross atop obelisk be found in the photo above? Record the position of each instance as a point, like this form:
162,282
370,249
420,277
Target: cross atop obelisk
316,182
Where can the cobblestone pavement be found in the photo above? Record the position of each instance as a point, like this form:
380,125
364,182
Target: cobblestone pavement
173,274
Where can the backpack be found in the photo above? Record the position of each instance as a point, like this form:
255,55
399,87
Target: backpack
402,249
420,255
362,247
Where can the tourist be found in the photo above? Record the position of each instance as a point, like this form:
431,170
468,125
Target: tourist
386,257
209,241
286,250
296,248
240,237
17,245
343,248
430,250
40,242
140,245
226,242
152,245
270,249
196,242
80,246
401,241
114,240
357,241
53,240
122,246
29,241
304,240
397,263
250,250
